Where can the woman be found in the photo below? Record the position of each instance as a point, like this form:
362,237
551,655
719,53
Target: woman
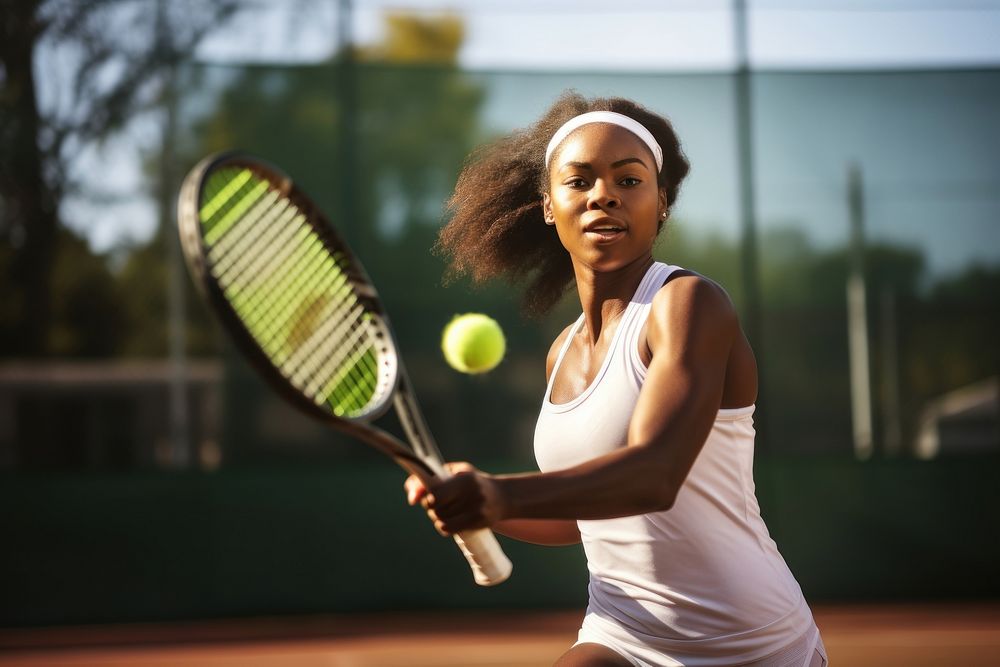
645,437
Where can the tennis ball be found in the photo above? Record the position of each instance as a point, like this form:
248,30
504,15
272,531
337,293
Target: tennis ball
473,343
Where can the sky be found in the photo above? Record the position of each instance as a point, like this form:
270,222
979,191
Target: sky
645,34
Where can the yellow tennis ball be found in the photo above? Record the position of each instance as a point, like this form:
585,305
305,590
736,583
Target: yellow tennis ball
473,343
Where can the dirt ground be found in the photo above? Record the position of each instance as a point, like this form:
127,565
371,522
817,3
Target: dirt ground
964,635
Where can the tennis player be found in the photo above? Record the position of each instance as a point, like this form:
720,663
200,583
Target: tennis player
645,438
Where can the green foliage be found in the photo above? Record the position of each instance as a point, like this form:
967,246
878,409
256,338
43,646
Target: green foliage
978,285
285,115
87,318
950,336
143,279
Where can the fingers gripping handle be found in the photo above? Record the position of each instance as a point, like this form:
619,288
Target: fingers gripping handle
490,565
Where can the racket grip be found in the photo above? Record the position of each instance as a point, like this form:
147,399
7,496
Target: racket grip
490,565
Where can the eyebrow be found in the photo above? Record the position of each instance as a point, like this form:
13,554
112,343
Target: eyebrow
614,165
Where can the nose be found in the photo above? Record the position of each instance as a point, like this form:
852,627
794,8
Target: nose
603,195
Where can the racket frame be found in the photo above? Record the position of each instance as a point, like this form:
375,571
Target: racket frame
195,252
424,459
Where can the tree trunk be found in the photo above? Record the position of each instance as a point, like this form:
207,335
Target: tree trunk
29,204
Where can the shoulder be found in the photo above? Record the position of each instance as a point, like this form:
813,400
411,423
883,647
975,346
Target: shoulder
557,344
691,304
686,289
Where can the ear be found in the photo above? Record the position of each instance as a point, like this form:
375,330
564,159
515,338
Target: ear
663,208
547,214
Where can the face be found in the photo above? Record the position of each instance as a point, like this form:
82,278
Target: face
603,197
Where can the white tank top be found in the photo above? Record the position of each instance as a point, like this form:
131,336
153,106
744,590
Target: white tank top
703,581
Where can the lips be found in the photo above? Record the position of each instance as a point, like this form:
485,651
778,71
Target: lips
603,230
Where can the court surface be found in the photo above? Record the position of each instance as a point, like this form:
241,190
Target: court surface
965,635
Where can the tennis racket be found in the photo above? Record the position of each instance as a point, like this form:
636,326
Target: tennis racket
300,306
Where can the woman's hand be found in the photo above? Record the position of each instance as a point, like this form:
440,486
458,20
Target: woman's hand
467,500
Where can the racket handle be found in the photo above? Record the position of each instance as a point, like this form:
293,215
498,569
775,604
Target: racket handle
490,565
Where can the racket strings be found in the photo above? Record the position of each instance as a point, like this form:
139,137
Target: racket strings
299,348
237,210
284,283
253,252
270,256
309,355
350,376
322,346
276,220
294,296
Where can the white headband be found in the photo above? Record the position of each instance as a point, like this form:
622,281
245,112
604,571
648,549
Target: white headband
621,120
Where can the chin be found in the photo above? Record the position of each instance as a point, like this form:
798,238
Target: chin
605,263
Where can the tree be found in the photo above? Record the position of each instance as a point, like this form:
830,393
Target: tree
121,52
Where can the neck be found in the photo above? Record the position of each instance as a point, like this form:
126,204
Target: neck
605,295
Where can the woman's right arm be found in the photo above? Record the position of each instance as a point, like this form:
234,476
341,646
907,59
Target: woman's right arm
547,532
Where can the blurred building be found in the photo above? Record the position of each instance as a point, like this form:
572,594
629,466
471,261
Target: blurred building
115,415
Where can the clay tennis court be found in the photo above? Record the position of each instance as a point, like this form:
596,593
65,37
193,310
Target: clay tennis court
966,635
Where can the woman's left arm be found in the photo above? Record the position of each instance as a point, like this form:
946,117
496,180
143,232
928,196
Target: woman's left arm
691,328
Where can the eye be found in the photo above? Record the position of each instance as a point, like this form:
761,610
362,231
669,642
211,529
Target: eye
575,182
630,181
